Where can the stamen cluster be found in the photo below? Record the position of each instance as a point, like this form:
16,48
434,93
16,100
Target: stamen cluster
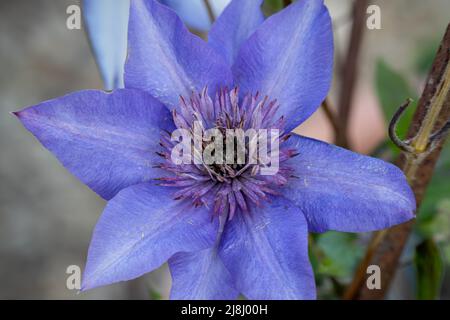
225,188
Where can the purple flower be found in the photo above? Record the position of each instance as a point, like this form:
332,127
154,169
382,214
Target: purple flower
223,229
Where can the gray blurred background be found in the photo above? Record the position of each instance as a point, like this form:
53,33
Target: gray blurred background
46,215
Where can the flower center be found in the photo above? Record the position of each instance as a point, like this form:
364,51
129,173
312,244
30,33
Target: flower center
226,152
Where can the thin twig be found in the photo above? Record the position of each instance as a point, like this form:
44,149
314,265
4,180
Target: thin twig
393,128
330,115
350,70
210,10
438,136
432,114
421,143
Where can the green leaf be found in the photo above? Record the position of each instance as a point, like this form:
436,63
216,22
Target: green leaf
154,294
433,209
393,90
429,270
338,254
446,253
272,6
426,53
437,224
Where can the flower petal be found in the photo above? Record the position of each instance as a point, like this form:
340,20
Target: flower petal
140,229
266,253
238,21
341,190
290,58
107,140
165,59
107,26
200,275
194,12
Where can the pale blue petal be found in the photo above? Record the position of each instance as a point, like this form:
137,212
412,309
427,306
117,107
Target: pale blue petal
341,190
238,21
200,276
290,58
107,140
194,13
107,26
266,253
140,229
165,59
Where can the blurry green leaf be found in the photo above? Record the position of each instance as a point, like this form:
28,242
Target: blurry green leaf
446,253
435,224
429,270
393,90
312,252
433,209
272,6
154,294
339,254
425,56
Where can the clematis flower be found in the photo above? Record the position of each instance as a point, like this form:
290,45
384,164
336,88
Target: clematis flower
194,12
106,24
224,230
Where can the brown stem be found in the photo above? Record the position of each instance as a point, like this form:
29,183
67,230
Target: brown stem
350,70
286,3
330,115
432,114
210,11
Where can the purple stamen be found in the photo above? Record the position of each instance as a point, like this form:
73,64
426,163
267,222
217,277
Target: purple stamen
226,188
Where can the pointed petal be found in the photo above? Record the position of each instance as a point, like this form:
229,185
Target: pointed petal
140,229
194,12
266,253
341,190
165,59
290,58
107,140
107,28
238,21
200,276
